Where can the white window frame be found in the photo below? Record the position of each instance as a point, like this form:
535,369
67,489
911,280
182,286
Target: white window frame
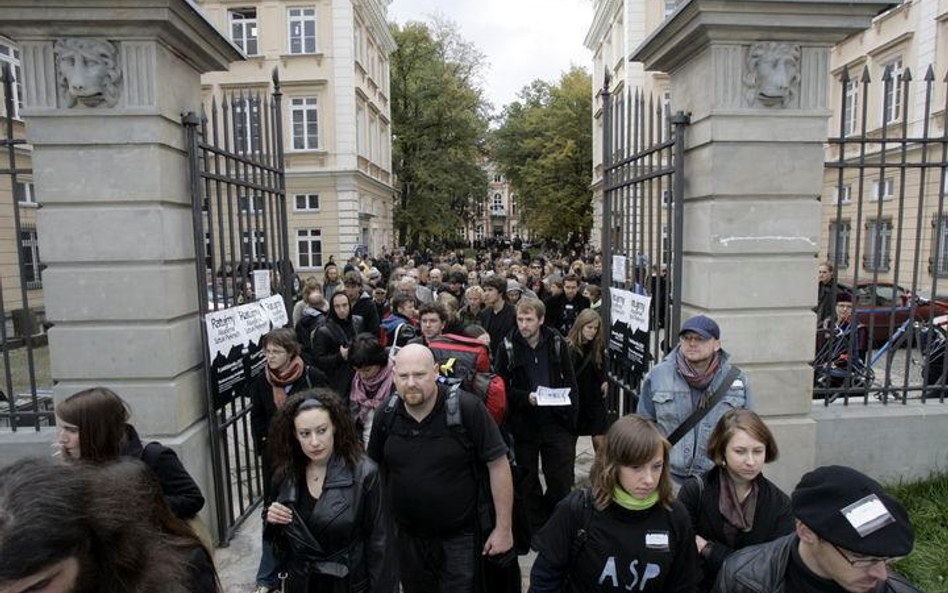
309,236
256,203
845,235
373,138
30,244
479,232
247,25
877,257
358,42
845,196
940,260
27,195
513,204
894,112
498,178
307,108
670,6
10,54
258,248
888,185
308,201
497,203
247,132
301,15
851,93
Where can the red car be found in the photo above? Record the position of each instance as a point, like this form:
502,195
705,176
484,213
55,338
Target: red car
874,303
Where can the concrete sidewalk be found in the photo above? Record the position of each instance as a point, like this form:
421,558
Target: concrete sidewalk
237,563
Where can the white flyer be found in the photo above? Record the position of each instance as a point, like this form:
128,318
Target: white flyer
550,396
619,263
261,284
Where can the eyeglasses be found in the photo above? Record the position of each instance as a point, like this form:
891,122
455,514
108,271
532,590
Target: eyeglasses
269,352
862,561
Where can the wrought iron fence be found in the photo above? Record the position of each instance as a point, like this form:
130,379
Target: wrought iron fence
23,402
887,242
643,144
239,210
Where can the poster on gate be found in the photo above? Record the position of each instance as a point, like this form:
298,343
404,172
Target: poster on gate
628,334
233,340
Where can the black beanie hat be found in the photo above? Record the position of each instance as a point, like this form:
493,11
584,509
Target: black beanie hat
852,511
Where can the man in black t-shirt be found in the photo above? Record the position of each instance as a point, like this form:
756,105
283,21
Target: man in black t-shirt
848,529
499,317
432,485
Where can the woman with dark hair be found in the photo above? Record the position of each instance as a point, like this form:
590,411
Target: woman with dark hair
62,528
328,522
587,353
285,374
734,506
373,382
93,428
332,342
634,534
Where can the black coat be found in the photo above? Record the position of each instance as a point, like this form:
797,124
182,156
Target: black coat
180,491
365,308
556,314
329,338
772,519
592,418
344,545
763,569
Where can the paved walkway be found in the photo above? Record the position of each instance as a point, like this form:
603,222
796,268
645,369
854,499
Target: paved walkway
237,563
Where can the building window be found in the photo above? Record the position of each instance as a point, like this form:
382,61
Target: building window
24,193
497,204
305,126
29,254
357,42
243,29
479,232
373,138
257,251
850,106
669,7
309,248
247,125
891,97
498,178
884,190
513,205
302,23
839,241
940,247
878,241
258,203
306,203
11,55
842,193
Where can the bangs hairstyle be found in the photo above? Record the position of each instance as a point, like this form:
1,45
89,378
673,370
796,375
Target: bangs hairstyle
101,416
575,336
282,337
749,422
631,441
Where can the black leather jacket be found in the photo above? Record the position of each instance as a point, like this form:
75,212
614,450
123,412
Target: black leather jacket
763,569
343,546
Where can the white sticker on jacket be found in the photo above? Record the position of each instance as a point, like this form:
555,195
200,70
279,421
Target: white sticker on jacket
657,540
868,515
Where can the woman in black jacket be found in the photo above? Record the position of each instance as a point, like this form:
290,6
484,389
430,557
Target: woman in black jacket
93,427
328,523
734,506
332,342
587,353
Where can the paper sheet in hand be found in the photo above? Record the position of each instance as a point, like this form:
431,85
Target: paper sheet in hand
548,396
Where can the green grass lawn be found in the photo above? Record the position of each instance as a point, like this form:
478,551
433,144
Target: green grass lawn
20,370
927,505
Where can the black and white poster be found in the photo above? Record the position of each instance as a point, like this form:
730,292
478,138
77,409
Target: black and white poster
233,339
628,335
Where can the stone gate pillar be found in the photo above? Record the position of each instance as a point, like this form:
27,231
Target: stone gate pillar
107,82
754,75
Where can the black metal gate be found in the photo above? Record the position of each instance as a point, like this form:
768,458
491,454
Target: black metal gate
642,215
240,227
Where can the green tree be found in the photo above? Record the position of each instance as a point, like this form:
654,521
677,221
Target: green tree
544,147
439,124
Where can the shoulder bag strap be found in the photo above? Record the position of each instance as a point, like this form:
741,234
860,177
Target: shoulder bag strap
700,413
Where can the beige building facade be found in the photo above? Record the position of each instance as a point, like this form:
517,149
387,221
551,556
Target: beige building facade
22,193
499,217
333,60
875,242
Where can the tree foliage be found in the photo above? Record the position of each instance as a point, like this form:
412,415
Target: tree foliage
439,125
544,147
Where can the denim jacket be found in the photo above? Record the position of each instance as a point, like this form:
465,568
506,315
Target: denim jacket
666,398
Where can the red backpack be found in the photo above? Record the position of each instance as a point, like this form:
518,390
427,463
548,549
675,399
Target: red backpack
467,360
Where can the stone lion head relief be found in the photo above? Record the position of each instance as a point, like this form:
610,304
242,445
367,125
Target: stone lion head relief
771,74
87,72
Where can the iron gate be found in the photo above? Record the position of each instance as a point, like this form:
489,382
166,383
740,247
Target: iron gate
239,209
887,241
642,215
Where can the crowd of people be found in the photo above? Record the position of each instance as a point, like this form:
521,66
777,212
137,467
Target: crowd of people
418,428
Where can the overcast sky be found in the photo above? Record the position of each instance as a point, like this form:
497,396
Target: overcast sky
522,39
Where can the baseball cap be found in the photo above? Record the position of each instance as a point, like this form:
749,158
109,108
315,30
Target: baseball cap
703,326
851,510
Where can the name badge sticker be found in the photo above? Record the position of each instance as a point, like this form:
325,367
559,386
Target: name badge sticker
656,540
867,515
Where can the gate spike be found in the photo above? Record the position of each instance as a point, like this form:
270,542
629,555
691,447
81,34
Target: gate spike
844,77
865,75
908,74
945,79
888,75
930,74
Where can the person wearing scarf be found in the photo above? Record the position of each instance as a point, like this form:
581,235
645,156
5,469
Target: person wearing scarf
625,531
284,375
373,382
734,505
332,342
682,385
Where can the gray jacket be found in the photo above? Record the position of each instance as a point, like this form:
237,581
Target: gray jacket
667,399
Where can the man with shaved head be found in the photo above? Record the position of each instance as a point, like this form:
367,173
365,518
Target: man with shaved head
433,447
